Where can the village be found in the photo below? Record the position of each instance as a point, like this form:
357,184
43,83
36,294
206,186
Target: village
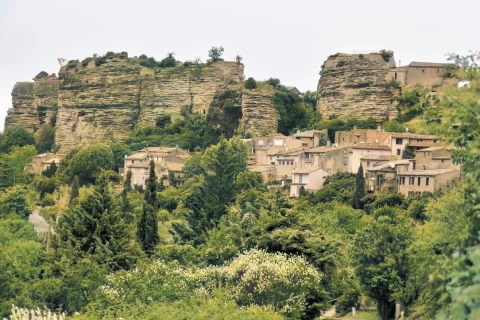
407,163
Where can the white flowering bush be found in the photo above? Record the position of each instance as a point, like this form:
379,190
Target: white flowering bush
34,314
253,278
275,279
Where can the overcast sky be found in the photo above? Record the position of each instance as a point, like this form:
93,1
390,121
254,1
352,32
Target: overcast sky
288,40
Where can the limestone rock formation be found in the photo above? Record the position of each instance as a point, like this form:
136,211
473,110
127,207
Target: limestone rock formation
102,103
354,86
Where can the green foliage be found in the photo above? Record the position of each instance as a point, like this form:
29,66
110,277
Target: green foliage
109,55
147,228
359,189
293,112
119,151
75,191
14,200
163,120
72,64
168,62
215,54
86,162
94,230
337,187
334,125
250,84
12,166
86,61
45,138
273,82
411,103
185,133
408,153
41,74
380,258
45,185
15,136
51,170
394,126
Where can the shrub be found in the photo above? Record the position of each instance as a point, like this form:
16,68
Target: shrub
273,82
47,201
341,63
42,74
149,62
250,83
386,54
143,57
168,62
215,54
72,64
86,61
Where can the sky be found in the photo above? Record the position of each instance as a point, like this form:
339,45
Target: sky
288,40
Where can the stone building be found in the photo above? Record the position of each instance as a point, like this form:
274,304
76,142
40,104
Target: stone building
400,141
311,179
330,158
416,182
362,149
426,74
168,164
312,137
42,161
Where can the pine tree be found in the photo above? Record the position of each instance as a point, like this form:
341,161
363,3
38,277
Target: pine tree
147,232
95,229
75,190
359,189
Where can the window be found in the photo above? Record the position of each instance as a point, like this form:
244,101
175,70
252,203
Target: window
133,161
419,180
260,142
402,180
438,70
291,163
399,152
411,181
345,161
395,76
427,181
204,112
399,141
423,70
368,163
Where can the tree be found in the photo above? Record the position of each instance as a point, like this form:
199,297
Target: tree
119,150
14,200
215,54
127,208
408,153
163,120
51,170
381,259
15,136
87,162
147,229
12,165
250,83
75,192
95,230
359,189
169,61
45,138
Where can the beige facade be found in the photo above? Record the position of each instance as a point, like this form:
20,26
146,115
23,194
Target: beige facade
384,177
365,149
434,158
418,181
42,161
331,159
312,138
355,136
374,161
310,179
168,163
426,74
261,146
399,141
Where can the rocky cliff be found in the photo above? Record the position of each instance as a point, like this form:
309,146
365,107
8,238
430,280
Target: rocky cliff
355,86
101,103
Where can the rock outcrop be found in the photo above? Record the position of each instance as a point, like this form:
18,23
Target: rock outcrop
355,86
106,102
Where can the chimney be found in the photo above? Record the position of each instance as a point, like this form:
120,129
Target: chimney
379,128
354,127
298,131
399,63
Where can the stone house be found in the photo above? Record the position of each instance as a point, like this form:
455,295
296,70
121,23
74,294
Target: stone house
434,158
284,161
42,161
384,175
312,138
169,163
426,74
416,182
362,149
373,161
399,141
311,179
329,158
355,136
262,145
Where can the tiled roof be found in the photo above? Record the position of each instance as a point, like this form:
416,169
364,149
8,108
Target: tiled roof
306,170
427,64
140,155
381,157
371,146
430,149
388,165
138,165
306,134
432,172
323,149
412,136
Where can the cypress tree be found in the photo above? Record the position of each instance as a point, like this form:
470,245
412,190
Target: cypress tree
359,189
126,206
75,190
147,228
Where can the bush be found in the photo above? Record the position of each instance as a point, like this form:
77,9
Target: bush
47,201
14,200
250,83
86,61
149,62
15,136
273,82
72,64
215,54
168,62
143,57
42,74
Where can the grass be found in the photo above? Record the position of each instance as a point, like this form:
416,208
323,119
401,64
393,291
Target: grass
362,315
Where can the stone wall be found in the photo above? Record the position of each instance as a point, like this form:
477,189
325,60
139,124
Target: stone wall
354,86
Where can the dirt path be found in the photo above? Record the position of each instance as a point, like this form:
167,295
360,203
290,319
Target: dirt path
38,222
